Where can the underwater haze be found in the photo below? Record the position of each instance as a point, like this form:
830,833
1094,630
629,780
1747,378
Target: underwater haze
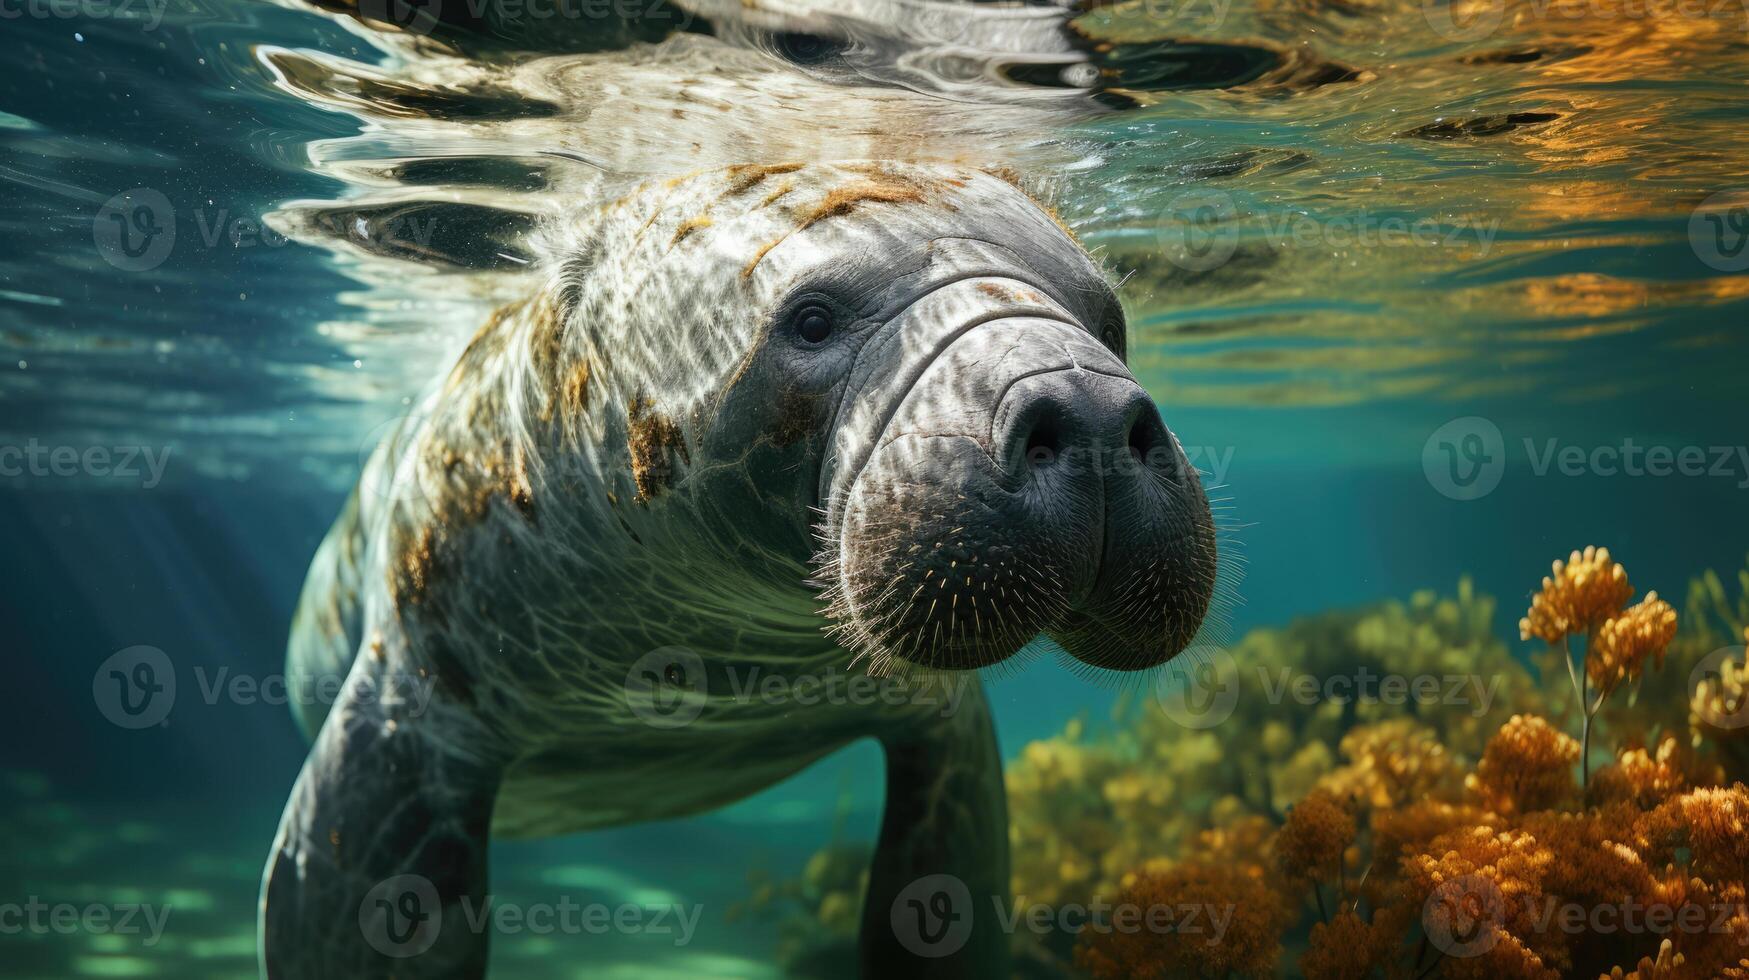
1433,293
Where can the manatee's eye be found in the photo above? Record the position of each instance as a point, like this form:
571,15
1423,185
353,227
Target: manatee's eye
1112,337
807,49
813,324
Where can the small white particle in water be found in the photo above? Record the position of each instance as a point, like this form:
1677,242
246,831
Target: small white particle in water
357,364
242,295
23,364
79,37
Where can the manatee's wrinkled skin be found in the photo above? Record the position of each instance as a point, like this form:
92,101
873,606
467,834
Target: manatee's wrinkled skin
805,421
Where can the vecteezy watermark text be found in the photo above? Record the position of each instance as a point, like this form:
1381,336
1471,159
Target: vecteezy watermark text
1202,686
136,687
1465,917
150,13
136,230
33,459
669,687
1465,459
38,918
933,917
1633,460
403,917
1202,229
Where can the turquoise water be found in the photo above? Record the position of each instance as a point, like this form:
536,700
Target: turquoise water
1341,232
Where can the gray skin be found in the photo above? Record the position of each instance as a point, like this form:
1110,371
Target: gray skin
814,422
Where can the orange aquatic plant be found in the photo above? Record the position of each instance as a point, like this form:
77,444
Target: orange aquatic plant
1585,596
1238,933
1506,865
1626,641
1583,592
1528,765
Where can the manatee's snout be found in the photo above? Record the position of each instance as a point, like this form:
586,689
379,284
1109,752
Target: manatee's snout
1023,483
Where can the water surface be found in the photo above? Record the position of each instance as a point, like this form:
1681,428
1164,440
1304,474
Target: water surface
1340,227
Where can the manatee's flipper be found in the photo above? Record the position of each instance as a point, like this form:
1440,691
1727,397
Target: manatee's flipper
384,839
940,872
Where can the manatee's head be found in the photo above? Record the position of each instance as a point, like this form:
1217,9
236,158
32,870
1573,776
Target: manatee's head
921,370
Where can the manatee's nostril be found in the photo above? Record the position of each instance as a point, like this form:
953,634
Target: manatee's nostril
1149,443
1045,442
1140,440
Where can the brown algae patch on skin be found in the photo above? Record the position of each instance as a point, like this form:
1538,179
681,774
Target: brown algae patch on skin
424,563
653,441
883,188
1060,223
687,227
463,487
1004,293
844,200
546,352
998,291
486,341
929,184
1009,176
777,195
574,396
744,177
759,256
412,574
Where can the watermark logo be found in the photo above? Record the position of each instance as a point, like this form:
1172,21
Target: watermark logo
932,916
1199,688
1200,230
1463,20
135,688
1215,461
1463,916
1708,689
1465,458
667,687
135,230
401,917
1718,231
1197,230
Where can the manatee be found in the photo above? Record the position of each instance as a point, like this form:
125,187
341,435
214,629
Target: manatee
812,421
